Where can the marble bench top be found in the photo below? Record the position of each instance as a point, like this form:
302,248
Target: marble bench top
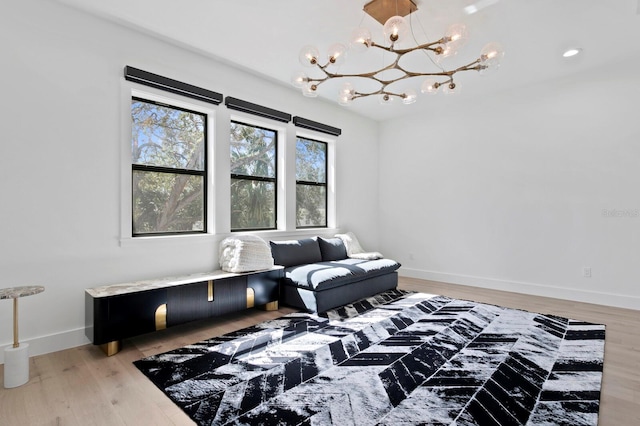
15,292
152,284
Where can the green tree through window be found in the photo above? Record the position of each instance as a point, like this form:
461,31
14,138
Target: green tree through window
311,183
168,150
253,177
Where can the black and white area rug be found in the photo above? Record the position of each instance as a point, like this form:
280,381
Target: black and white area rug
398,358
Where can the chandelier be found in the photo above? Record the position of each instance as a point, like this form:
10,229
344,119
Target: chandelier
391,14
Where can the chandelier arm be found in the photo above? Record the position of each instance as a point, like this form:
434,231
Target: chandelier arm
370,75
472,66
475,65
357,95
319,80
395,65
425,46
381,91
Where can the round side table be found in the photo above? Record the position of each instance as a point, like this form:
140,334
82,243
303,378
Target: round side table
16,357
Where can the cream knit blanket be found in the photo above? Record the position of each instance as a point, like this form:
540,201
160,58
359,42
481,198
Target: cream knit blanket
245,253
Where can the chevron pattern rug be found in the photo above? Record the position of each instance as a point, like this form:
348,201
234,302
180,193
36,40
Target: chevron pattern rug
395,358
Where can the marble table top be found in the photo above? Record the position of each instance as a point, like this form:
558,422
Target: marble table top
15,292
145,285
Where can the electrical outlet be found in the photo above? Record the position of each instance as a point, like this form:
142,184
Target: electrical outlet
586,272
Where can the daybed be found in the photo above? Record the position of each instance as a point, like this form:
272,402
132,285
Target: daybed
321,275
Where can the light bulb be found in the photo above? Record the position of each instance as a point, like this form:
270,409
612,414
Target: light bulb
410,96
346,89
450,88
299,79
309,89
337,53
308,56
447,50
344,100
360,40
491,55
429,86
395,29
386,99
456,36
345,94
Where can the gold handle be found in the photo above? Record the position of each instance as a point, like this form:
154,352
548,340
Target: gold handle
161,317
210,291
251,296
16,344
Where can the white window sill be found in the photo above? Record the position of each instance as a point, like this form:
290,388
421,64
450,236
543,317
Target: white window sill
165,240
214,239
294,234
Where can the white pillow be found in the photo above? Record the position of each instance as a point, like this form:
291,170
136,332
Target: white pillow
371,255
355,250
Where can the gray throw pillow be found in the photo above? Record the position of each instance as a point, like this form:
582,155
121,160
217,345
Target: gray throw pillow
295,252
332,249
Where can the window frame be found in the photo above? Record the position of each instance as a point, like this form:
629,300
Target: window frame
129,90
274,180
324,184
175,171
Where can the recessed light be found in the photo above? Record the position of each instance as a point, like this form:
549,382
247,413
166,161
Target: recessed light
478,5
571,52
471,9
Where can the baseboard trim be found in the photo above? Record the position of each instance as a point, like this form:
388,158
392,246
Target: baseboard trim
534,289
51,343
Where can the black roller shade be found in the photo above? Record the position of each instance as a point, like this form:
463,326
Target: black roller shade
314,125
174,86
255,109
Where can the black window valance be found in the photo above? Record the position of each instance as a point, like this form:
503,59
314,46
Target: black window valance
314,125
170,85
255,109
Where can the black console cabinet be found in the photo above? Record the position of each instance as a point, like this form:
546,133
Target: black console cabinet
119,311
195,301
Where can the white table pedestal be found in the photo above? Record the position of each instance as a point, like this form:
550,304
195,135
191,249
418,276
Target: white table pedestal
16,358
16,365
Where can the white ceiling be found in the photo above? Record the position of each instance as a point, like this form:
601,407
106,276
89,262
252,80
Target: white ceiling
265,37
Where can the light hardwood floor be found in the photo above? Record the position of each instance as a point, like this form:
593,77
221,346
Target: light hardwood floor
81,386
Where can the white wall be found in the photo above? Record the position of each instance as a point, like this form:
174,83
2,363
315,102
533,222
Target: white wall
61,98
509,192
506,193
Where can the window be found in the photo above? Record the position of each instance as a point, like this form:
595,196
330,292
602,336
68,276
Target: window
169,169
253,177
311,183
